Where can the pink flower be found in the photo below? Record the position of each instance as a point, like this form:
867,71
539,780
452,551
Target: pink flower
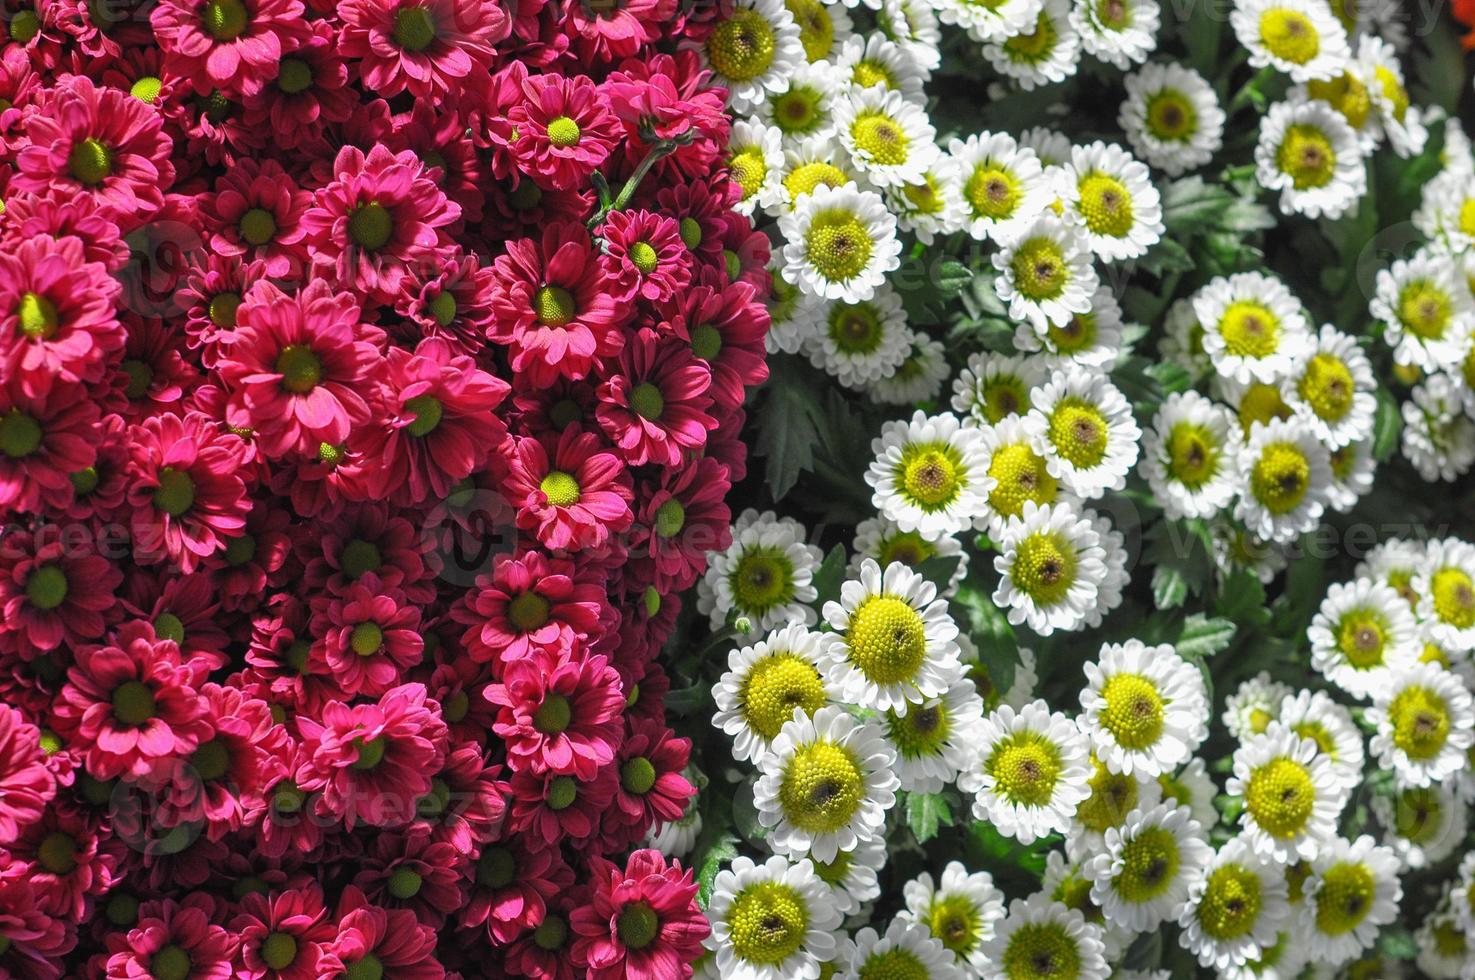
186,496
652,788
567,492
511,886
559,713
655,408
29,216
26,785
309,92
454,303
413,870
170,935
298,367
617,30
560,131
70,859
57,317
681,521
645,256
53,592
425,47
35,941
285,935
370,636
641,923
231,45
726,328
131,703
255,212
44,441
552,809
529,604
390,941
366,538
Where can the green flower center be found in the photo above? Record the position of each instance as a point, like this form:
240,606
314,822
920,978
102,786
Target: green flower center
887,639
1420,720
822,788
552,933
427,411
1289,35
226,20
359,557
1149,865
46,587
1249,329
856,328
1026,766
1078,431
1280,477
90,162
368,968
554,306
1039,267
993,192
1041,951
528,611
561,489
1425,309
1045,567
554,715
1418,814
279,950
496,868
647,401
1345,899
211,760
20,435
880,137
637,776
175,493
1134,711
563,132
57,853
954,920
894,964
370,753
133,703
561,794
370,226
644,257
170,963
838,245
24,26
768,922
300,368
414,30
774,687
38,316
258,226
404,883
1171,117
223,308
1231,902
288,798
1193,454
741,48
366,639
931,475
670,518
800,110
1281,797
1306,156
1106,204
637,925
763,578
294,76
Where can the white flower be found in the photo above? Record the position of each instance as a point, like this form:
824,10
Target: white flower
1253,706
770,921
765,574
1421,824
1051,567
1064,882
1194,788
1113,197
1041,931
1149,864
1284,473
1253,328
986,21
884,542
894,642
960,911
1402,122
1050,145
1021,687
839,243
1236,910
1441,216
919,378
1362,630
1352,891
755,160
1331,387
907,949
824,27
1445,585
677,838
1462,892
851,877
753,49
794,316
1017,472
1291,796
804,106
1299,37
1444,948
1048,50
936,740
862,341
1235,549
1084,426
929,475
1316,716
1352,475
1438,434
825,784
1190,455
1114,796
913,25
1395,562
933,204
762,686
1090,339
1118,32
1003,185
994,387
1309,153
1426,312
1144,708
1031,772
1115,577
1183,339
807,167
878,60
1425,724
890,140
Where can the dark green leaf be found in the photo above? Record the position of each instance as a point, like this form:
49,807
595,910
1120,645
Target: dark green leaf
926,812
1145,952
1387,425
722,850
830,576
788,427
952,278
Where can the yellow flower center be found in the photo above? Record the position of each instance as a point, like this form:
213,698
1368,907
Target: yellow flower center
838,245
1454,597
1045,567
1425,309
1106,204
763,578
1420,720
741,48
1149,864
887,639
1171,116
931,475
1327,386
993,192
1306,156
1022,477
1289,35
1039,267
1025,766
1280,477
822,787
1134,711
774,687
880,137
1231,903
1281,797
1345,899
1041,951
768,921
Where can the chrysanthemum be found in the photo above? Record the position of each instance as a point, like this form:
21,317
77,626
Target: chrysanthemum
1332,388
1031,772
1091,339
1285,473
1446,211
824,28
429,48
764,683
1112,195
1363,629
1309,153
1190,454
26,785
1316,716
889,138
1017,473
1171,117
568,493
878,60
558,130
1084,426
1118,32
755,160
1143,708
1254,705
1051,566
804,107
1425,723
559,714
863,341
906,949
936,740
994,387
1427,317
913,25
1253,328
1445,586
839,243
825,784
1113,796
1292,797
1353,890
1438,436
960,911
1003,185
752,49
851,879
1444,947
1148,866
1299,37
918,378
771,921
764,575
1236,909
808,166
928,474
990,21
1047,50
1423,825
1042,938
1046,272
639,919
1400,121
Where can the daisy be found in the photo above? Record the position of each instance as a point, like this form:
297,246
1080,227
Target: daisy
764,683
1235,549
765,575
1462,892
1299,37
1438,435
794,316
1190,454
906,949
1112,195
928,474
1332,389
1444,948
960,911
1446,211
1401,122
1309,153
994,387
1143,708
770,921
1445,585
807,167
755,162
1421,824
1427,317
1193,787
1051,566
1148,866
1021,688
876,60
1285,473
1291,796
919,378
839,243
913,25
826,784
1091,339
884,542
1048,50
1348,94
1064,882
1031,772
752,50
936,740
1047,276
1085,427
1353,890
1236,910
804,108
1253,328
1115,578
1118,32
1363,630
987,22
1394,563
932,204
1183,340
1042,938
1050,145
824,28
894,642
1004,187
1425,724
1254,705
1316,716
1352,475
862,341
851,879
1017,474
1114,796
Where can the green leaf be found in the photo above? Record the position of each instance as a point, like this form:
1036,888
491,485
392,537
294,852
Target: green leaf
789,420
1167,256
991,633
1145,953
952,278
745,813
830,576
1169,587
939,569
1387,426
722,850
926,812
1242,600
1204,637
